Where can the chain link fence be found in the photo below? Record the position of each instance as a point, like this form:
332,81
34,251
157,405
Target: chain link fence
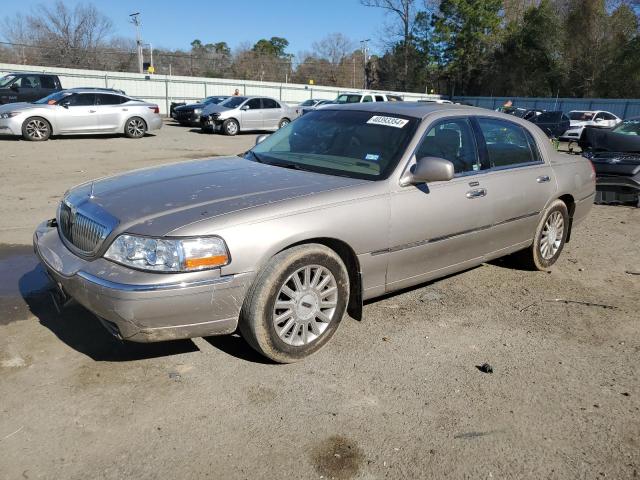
165,89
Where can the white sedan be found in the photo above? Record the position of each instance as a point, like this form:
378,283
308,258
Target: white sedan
588,118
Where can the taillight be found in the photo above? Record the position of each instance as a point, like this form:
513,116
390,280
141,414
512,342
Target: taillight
593,170
155,109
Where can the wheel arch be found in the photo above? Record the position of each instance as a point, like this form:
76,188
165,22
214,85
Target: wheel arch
570,202
350,259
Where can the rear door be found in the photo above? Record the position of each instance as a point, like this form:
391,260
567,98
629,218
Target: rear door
77,114
251,115
111,111
272,113
517,179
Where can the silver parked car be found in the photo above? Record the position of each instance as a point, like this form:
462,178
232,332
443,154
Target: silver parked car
80,111
345,204
238,114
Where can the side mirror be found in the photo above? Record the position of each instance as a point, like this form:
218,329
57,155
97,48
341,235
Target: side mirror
64,104
244,108
430,169
261,138
14,86
598,120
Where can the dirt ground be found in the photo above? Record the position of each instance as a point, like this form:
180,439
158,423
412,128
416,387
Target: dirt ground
397,395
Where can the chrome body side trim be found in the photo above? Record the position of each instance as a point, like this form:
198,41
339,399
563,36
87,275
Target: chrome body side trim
125,287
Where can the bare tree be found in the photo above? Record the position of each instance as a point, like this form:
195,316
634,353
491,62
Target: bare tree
404,11
72,36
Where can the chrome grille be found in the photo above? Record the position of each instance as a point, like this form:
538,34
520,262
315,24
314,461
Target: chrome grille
81,231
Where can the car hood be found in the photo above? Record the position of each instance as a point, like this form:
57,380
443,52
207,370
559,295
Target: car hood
191,106
209,109
156,201
15,107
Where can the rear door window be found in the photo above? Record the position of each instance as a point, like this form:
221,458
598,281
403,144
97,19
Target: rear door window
379,98
367,98
507,144
47,82
269,103
452,140
108,99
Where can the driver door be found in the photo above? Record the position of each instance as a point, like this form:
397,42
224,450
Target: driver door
251,115
78,114
440,227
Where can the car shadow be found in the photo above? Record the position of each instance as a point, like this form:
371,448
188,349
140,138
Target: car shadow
82,331
236,346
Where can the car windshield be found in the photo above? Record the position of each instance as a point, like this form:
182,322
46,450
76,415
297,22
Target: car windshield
6,80
52,99
581,116
213,100
339,142
233,102
628,127
348,98
308,103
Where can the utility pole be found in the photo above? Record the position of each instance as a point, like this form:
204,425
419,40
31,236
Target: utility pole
364,54
135,19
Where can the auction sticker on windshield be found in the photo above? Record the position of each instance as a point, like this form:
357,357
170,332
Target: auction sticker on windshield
388,121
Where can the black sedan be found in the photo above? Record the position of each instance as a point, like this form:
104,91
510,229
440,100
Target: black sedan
615,154
189,115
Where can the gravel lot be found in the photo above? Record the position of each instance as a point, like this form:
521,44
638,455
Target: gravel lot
395,396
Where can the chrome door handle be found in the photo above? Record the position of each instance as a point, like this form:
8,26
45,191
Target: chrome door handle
92,111
481,192
125,109
543,179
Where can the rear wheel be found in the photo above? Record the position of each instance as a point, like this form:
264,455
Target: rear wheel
295,303
284,122
135,128
549,239
36,129
230,127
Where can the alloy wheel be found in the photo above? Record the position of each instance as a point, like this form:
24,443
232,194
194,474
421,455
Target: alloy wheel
552,235
37,129
135,128
305,305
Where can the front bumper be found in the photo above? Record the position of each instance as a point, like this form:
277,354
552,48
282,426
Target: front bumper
618,190
155,309
11,126
209,122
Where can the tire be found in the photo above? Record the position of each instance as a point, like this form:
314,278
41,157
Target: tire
284,122
135,127
36,129
230,127
287,327
548,243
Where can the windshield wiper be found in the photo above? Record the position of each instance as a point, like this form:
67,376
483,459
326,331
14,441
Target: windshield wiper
255,156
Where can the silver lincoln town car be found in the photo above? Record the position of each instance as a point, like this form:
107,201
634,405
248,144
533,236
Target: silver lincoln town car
347,203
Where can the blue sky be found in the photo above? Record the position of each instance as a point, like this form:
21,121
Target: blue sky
174,24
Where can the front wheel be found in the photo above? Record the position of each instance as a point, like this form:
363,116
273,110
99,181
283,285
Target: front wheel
135,128
550,237
36,129
230,127
295,303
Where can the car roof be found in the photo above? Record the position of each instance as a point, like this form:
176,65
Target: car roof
94,90
411,109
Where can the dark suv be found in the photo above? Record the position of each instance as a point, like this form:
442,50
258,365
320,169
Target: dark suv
27,87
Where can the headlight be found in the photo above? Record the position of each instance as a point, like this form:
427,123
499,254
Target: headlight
197,111
169,255
9,114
